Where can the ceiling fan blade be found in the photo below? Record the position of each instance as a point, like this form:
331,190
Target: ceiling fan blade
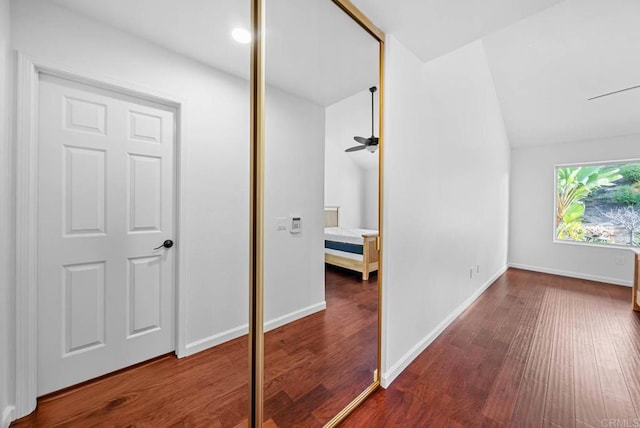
614,92
355,148
361,140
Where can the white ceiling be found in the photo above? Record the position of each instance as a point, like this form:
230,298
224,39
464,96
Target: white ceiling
547,56
431,28
313,49
547,66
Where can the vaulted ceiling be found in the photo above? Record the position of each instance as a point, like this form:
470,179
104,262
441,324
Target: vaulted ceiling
547,66
431,28
547,57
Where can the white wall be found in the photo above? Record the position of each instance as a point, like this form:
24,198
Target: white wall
446,195
216,139
531,243
351,178
217,173
6,229
294,168
370,190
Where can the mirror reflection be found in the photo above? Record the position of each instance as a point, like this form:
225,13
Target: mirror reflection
321,212
143,137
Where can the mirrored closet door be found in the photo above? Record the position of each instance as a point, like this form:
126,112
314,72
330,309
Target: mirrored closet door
320,212
142,112
135,157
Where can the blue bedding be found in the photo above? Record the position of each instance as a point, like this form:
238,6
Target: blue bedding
342,246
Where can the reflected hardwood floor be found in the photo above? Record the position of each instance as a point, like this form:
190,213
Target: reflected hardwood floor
313,367
534,350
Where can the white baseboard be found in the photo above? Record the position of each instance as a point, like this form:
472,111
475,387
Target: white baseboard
391,374
578,275
234,333
296,315
215,340
8,414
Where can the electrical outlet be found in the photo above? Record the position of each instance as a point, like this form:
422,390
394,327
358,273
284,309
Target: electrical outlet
477,268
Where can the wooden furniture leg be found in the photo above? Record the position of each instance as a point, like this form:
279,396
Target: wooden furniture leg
636,280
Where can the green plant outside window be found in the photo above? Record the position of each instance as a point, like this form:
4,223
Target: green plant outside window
598,203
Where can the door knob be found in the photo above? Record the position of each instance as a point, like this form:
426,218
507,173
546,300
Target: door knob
166,244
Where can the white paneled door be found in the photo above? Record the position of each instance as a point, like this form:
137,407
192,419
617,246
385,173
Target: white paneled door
106,200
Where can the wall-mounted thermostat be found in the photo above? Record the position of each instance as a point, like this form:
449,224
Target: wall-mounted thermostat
296,225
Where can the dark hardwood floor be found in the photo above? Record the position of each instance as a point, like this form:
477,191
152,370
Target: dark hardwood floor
313,368
535,350
206,389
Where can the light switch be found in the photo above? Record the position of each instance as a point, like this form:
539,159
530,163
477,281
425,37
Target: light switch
282,223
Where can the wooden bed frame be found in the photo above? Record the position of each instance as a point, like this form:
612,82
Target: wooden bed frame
369,261
636,280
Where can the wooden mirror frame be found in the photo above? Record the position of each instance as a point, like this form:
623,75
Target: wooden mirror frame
256,216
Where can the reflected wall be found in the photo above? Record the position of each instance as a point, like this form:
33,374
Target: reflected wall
320,348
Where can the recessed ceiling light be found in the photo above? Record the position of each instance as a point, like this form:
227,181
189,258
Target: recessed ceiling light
241,35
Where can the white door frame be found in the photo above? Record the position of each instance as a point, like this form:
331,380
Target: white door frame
26,307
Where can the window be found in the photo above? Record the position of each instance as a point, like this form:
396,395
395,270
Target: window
598,203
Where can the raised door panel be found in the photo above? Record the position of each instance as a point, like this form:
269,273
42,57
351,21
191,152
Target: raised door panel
145,193
84,191
85,116
83,308
144,295
145,127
